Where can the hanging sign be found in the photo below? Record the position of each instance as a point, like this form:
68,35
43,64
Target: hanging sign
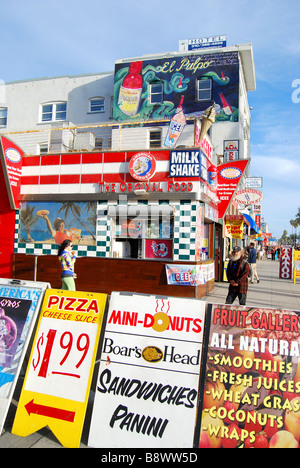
19,306
248,197
229,176
251,387
147,386
234,229
11,159
58,377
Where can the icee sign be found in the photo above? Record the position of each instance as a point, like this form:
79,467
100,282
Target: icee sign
147,386
187,164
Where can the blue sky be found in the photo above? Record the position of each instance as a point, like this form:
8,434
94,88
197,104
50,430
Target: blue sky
65,37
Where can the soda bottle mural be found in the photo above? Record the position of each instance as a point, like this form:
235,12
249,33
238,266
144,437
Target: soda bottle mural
176,127
226,106
131,90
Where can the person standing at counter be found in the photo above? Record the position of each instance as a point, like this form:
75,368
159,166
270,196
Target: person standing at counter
67,260
237,275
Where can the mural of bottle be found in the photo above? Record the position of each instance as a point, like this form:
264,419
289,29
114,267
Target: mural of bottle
226,106
176,127
131,90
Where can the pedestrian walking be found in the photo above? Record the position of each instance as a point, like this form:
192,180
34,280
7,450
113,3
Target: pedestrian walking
67,259
252,263
237,275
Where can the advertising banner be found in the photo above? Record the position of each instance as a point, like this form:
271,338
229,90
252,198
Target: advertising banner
229,176
19,306
11,159
286,261
234,229
296,265
59,373
251,394
186,275
147,386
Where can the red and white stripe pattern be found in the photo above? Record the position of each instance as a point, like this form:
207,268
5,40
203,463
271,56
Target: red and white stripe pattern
83,172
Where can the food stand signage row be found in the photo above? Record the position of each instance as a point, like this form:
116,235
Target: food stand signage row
176,373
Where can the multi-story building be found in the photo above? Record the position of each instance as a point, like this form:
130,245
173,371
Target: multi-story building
101,166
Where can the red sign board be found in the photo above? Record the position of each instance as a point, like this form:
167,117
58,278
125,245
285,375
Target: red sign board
11,159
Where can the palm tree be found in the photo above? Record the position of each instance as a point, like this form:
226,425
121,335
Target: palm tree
294,224
28,220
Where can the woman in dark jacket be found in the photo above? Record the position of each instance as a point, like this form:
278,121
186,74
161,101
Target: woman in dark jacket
237,275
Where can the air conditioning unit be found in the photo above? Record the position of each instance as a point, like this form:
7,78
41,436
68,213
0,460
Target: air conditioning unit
84,141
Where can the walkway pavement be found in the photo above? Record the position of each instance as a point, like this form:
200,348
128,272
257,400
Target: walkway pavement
270,292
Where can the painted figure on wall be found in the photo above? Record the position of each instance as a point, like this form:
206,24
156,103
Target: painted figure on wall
54,222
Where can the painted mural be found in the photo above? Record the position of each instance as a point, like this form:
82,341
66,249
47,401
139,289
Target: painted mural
53,222
153,89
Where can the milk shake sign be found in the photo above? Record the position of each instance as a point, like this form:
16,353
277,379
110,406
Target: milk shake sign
149,373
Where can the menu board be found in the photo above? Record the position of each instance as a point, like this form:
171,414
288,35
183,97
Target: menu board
251,386
147,385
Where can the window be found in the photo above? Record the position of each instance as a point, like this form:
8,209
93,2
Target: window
156,92
43,147
155,138
204,90
54,111
97,104
3,116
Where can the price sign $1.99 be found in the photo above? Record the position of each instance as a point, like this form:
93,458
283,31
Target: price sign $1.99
63,349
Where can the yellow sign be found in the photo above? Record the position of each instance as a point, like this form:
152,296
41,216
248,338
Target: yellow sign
58,378
296,271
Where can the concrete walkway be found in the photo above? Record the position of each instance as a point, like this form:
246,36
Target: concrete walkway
270,292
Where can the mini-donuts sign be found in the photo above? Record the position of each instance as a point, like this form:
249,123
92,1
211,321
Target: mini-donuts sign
142,166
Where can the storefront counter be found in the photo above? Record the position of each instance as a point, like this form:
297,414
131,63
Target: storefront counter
109,274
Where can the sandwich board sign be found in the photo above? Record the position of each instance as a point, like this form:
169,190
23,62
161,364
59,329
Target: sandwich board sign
59,373
147,386
20,302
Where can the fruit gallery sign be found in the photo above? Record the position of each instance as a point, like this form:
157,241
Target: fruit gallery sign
251,394
147,386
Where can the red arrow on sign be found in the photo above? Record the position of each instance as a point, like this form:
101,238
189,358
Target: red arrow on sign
49,411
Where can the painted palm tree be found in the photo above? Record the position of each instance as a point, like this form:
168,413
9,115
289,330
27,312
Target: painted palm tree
27,220
76,211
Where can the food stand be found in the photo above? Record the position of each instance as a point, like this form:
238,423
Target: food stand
127,213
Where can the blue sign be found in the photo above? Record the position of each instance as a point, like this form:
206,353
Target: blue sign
203,43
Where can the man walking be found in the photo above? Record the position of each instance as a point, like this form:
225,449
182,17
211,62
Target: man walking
252,263
237,275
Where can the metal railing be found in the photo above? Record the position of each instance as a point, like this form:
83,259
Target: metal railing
111,136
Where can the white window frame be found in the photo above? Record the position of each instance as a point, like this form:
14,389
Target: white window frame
97,108
3,118
207,81
54,112
155,93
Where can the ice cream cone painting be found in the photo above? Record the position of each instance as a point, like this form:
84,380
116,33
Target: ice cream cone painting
207,120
